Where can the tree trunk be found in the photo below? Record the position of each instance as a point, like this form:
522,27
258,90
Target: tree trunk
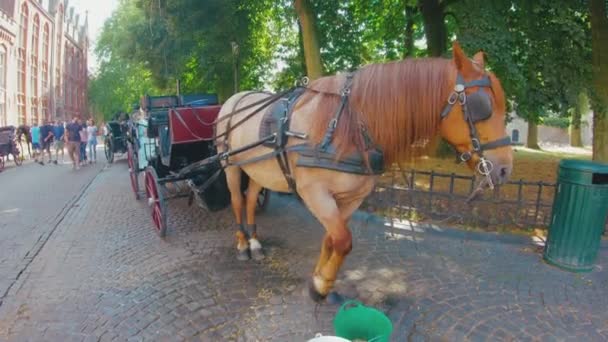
600,138
435,32
575,127
434,26
408,41
575,134
225,88
301,47
599,38
532,136
312,52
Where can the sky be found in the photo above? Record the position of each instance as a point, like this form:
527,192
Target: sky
99,11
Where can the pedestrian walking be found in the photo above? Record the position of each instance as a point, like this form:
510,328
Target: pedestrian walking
92,141
59,132
35,133
83,144
72,136
24,134
46,140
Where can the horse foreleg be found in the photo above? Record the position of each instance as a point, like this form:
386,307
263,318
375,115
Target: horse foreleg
326,250
325,277
253,191
233,178
337,243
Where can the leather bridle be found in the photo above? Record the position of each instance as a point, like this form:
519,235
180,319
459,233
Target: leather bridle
484,166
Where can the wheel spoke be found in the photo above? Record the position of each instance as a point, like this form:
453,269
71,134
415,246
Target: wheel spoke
155,201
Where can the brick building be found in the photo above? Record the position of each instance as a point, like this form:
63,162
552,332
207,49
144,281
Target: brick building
43,61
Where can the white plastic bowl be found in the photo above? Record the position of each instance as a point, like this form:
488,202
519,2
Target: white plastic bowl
321,338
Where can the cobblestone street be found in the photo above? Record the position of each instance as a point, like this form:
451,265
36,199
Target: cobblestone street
80,261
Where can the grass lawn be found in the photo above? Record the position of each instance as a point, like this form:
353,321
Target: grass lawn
529,165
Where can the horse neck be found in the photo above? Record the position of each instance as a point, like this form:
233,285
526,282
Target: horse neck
401,102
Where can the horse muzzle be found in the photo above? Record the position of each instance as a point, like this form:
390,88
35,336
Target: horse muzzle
497,170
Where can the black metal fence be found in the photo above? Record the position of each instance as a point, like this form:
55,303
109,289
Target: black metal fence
419,195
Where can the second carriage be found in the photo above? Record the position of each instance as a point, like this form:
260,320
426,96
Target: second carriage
115,139
8,146
171,133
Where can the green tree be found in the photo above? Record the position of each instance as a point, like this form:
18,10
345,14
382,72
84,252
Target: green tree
582,106
351,33
310,41
117,86
435,28
193,41
539,49
599,93
120,82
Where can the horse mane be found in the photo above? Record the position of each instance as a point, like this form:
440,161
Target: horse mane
399,103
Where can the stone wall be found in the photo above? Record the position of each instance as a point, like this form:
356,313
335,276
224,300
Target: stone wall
518,130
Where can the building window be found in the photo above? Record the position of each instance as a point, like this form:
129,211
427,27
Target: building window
66,76
34,69
58,60
45,109
45,60
515,135
3,118
21,65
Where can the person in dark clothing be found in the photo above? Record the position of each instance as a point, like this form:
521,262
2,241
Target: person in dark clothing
46,140
72,133
83,143
59,131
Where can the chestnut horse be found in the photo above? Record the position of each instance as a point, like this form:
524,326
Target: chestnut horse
401,103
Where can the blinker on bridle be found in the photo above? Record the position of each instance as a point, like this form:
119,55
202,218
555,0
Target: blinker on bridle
476,107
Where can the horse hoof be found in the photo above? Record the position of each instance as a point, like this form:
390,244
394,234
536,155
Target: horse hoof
242,255
314,294
257,254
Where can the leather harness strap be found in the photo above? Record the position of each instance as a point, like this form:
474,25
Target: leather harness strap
459,95
333,123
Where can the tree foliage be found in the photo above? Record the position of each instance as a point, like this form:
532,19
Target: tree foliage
120,82
541,50
118,85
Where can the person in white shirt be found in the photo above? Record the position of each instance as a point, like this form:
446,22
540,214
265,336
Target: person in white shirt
92,141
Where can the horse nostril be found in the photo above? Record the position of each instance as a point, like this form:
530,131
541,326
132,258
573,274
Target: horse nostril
503,172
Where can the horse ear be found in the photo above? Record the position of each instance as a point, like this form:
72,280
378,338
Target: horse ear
463,63
480,59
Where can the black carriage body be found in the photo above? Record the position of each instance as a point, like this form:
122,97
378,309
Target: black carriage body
117,133
179,141
7,140
8,146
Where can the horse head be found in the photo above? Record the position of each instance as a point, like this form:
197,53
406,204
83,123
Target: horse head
473,120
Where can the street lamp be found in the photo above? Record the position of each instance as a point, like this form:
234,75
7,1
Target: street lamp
235,60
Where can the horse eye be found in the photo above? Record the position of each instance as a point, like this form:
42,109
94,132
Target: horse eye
480,106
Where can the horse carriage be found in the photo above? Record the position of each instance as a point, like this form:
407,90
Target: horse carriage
115,139
8,146
175,132
327,142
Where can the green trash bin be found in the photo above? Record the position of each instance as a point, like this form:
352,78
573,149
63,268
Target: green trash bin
578,219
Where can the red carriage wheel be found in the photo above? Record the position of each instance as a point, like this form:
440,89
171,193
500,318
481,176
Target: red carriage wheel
133,170
156,201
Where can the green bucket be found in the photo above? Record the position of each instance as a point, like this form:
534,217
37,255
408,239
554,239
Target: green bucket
355,321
